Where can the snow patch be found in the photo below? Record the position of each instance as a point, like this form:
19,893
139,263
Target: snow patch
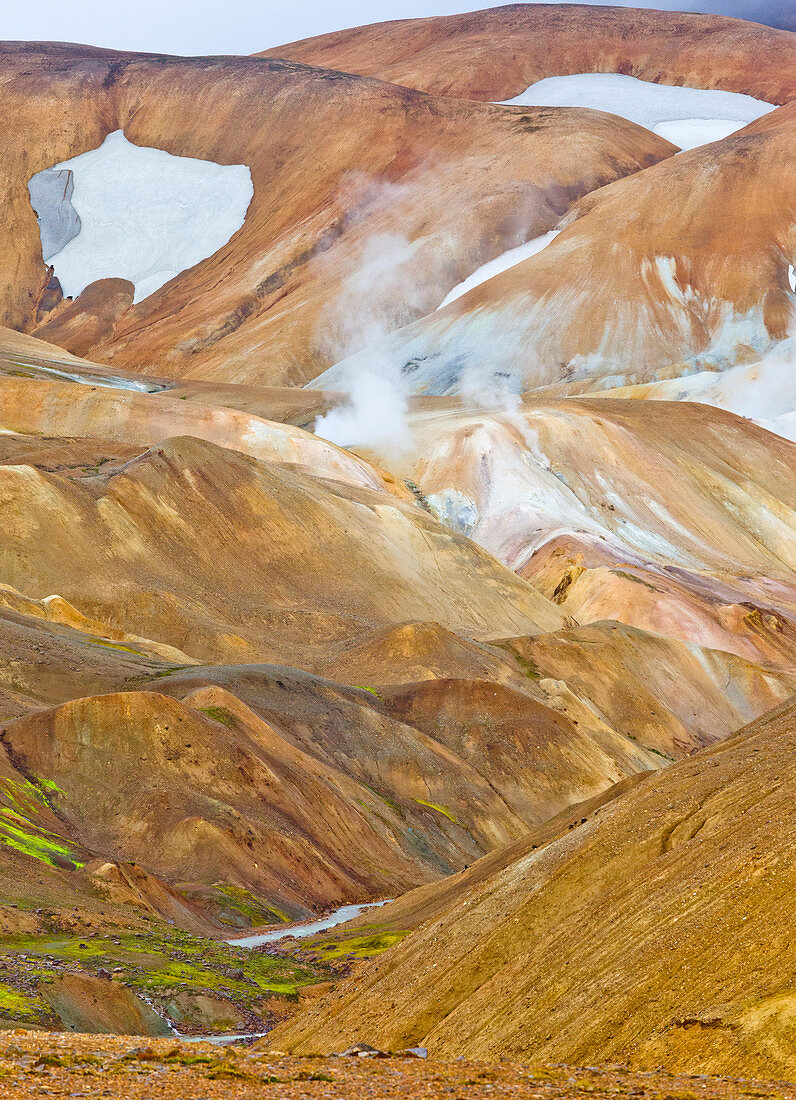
688,133
685,116
144,214
501,263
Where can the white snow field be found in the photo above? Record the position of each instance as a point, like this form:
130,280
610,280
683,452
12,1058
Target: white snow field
685,116
146,215
500,263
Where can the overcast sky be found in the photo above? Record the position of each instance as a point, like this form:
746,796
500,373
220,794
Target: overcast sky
245,26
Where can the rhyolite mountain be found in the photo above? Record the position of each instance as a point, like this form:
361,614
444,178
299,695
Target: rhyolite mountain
398,501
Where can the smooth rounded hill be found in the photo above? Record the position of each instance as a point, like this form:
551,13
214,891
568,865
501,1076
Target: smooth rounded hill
496,53
228,558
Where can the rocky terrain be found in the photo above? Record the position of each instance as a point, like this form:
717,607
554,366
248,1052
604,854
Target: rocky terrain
90,1065
397,454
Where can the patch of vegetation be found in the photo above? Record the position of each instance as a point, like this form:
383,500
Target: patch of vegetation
21,1006
528,666
635,580
251,907
177,1057
67,1060
370,690
387,801
440,810
163,964
24,796
47,787
19,829
658,753
359,947
418,494
34,841
231,1072
116,645
160,673
220,714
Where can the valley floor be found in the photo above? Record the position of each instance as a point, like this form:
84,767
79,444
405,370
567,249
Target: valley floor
36,1064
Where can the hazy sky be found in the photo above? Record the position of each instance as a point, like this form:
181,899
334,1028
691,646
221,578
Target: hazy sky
245,26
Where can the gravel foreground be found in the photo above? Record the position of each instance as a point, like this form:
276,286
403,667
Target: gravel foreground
37,1064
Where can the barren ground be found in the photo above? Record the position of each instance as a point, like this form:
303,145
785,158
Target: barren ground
36,1064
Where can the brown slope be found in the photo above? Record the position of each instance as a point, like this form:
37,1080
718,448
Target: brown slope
654,276
669,697
496,53
610,679
539,760
430,901
91,318
658,932
616,684
563,715
450,184
302,791
535,759
205,791
224,557
47,662
412,652
31,357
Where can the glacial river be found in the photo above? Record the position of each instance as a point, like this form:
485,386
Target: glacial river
299,931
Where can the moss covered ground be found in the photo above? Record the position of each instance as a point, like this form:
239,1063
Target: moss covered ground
157,964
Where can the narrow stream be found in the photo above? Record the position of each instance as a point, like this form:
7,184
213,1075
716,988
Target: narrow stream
223,1039
299,931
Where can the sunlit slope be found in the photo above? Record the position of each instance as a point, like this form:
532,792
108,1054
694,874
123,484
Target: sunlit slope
358,185
679,268
654,932
496,53
248,559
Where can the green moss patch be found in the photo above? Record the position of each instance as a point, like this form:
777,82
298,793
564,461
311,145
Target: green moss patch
162,964
440,810
21,1006
116,645
253,908
358,947
528,666
23,802
370,690
220,714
